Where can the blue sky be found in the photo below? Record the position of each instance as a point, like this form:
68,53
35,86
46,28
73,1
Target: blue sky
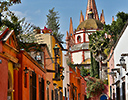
35,11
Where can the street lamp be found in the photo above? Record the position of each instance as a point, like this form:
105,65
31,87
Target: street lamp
122,60
26,70
48,82
56,50
62,77
122,63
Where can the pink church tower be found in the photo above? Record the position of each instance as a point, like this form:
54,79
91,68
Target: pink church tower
78,40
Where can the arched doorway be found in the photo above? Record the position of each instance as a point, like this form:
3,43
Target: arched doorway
10,87
103,97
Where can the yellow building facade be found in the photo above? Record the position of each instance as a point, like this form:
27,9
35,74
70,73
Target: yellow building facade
51,41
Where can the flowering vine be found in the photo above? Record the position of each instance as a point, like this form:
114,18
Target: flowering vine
94,86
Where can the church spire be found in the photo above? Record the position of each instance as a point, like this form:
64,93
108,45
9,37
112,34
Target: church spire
71,27
81,17
91,6
102,17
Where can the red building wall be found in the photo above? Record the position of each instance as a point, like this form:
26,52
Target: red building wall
3,78
83,88
24,92
76,80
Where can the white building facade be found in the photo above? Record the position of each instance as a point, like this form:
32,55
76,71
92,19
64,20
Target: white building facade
121,79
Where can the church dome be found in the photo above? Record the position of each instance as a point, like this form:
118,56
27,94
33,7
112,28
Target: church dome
90,24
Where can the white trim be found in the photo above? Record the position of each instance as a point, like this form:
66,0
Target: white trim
79,31
8,35
91,30
104,94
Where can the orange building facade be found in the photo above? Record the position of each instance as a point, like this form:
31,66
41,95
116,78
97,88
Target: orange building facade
24,74
77,88
8,64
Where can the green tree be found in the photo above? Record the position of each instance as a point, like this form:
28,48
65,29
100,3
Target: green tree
91,68
53,23
115,28
98,44
23,30
84,72
94,70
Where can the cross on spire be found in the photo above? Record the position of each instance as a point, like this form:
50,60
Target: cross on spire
91,6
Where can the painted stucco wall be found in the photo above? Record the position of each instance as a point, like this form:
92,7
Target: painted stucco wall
86,54
122,48
10,69
3,78
77,57
49,76
50,41
82,38
110,78
76,80
45,39
24,92
66,74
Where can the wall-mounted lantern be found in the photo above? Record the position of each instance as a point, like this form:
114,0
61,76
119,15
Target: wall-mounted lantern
122,63
26,70
116,69
122,60
48,82
55,85
0,61
62,77
56,50
112,74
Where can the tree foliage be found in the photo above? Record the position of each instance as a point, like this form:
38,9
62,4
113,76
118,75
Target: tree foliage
115,28
94,70
53,23
84,72
98,44
22,29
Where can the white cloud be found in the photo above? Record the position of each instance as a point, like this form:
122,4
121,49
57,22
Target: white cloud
22,15
38,11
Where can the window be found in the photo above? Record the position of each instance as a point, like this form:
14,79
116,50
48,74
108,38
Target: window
78,39
52,95
33,86
56,94
123,90
41,89
61,96
79,96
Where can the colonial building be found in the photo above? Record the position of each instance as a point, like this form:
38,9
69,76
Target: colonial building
52,42
9,64
118,67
